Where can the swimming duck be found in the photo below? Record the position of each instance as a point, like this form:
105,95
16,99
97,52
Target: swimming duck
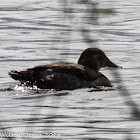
65,75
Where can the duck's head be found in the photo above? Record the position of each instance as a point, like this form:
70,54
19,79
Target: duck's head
95,59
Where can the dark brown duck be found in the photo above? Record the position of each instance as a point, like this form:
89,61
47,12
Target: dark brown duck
64,75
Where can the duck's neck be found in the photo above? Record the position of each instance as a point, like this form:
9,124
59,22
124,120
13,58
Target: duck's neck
94,65
91,60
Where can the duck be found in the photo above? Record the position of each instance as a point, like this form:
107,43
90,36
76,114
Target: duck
68,76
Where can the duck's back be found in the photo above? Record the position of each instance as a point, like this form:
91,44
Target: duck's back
59,75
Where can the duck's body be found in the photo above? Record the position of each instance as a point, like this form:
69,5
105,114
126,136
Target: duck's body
64,75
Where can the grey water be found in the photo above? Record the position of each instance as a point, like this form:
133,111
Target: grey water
34,32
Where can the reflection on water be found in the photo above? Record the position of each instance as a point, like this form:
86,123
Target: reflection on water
36,32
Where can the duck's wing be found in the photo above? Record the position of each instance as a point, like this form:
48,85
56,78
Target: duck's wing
63,75
83,73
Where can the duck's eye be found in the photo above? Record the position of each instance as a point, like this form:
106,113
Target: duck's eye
101,60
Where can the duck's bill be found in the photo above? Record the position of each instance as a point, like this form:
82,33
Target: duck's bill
111,64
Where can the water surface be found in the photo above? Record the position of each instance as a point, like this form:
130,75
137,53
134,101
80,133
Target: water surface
36,32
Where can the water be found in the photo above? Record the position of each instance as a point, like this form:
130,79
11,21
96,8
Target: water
36,32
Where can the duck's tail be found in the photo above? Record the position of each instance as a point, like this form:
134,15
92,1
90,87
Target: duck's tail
21,75
14,74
